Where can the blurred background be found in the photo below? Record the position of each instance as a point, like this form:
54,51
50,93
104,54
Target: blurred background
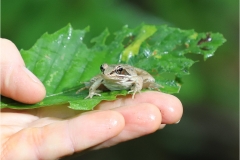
210,95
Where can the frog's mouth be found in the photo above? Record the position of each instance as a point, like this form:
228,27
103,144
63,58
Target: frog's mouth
116,77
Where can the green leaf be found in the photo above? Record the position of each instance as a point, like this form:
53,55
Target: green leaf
62,61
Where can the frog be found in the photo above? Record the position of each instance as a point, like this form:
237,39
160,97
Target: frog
120,77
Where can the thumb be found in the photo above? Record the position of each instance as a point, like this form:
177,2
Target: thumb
17,82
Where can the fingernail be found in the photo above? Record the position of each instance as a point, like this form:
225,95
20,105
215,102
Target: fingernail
32,76
161,126
177,122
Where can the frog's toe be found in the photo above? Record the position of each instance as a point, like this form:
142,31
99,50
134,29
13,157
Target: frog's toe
133,93
80,90
97,94
91,95
129,92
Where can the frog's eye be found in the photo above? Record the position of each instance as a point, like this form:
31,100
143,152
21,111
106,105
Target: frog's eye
102,68
119,70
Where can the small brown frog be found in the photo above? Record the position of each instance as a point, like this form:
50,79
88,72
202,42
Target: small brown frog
120,77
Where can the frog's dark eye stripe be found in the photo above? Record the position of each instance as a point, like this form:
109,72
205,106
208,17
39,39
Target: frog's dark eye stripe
112,72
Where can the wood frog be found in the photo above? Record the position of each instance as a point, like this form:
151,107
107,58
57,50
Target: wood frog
120,77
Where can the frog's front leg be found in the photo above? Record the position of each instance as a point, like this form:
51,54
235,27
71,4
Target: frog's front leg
93,88
137,86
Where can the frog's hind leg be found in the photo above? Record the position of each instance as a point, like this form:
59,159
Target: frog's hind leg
155,86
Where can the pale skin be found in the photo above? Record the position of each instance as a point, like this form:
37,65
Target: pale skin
41,133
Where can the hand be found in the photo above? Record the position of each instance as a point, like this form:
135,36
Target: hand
53,132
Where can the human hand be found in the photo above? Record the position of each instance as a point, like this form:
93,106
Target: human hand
54,132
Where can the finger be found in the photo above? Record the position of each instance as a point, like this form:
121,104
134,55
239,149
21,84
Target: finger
17,82
140,120
170,106
64,137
